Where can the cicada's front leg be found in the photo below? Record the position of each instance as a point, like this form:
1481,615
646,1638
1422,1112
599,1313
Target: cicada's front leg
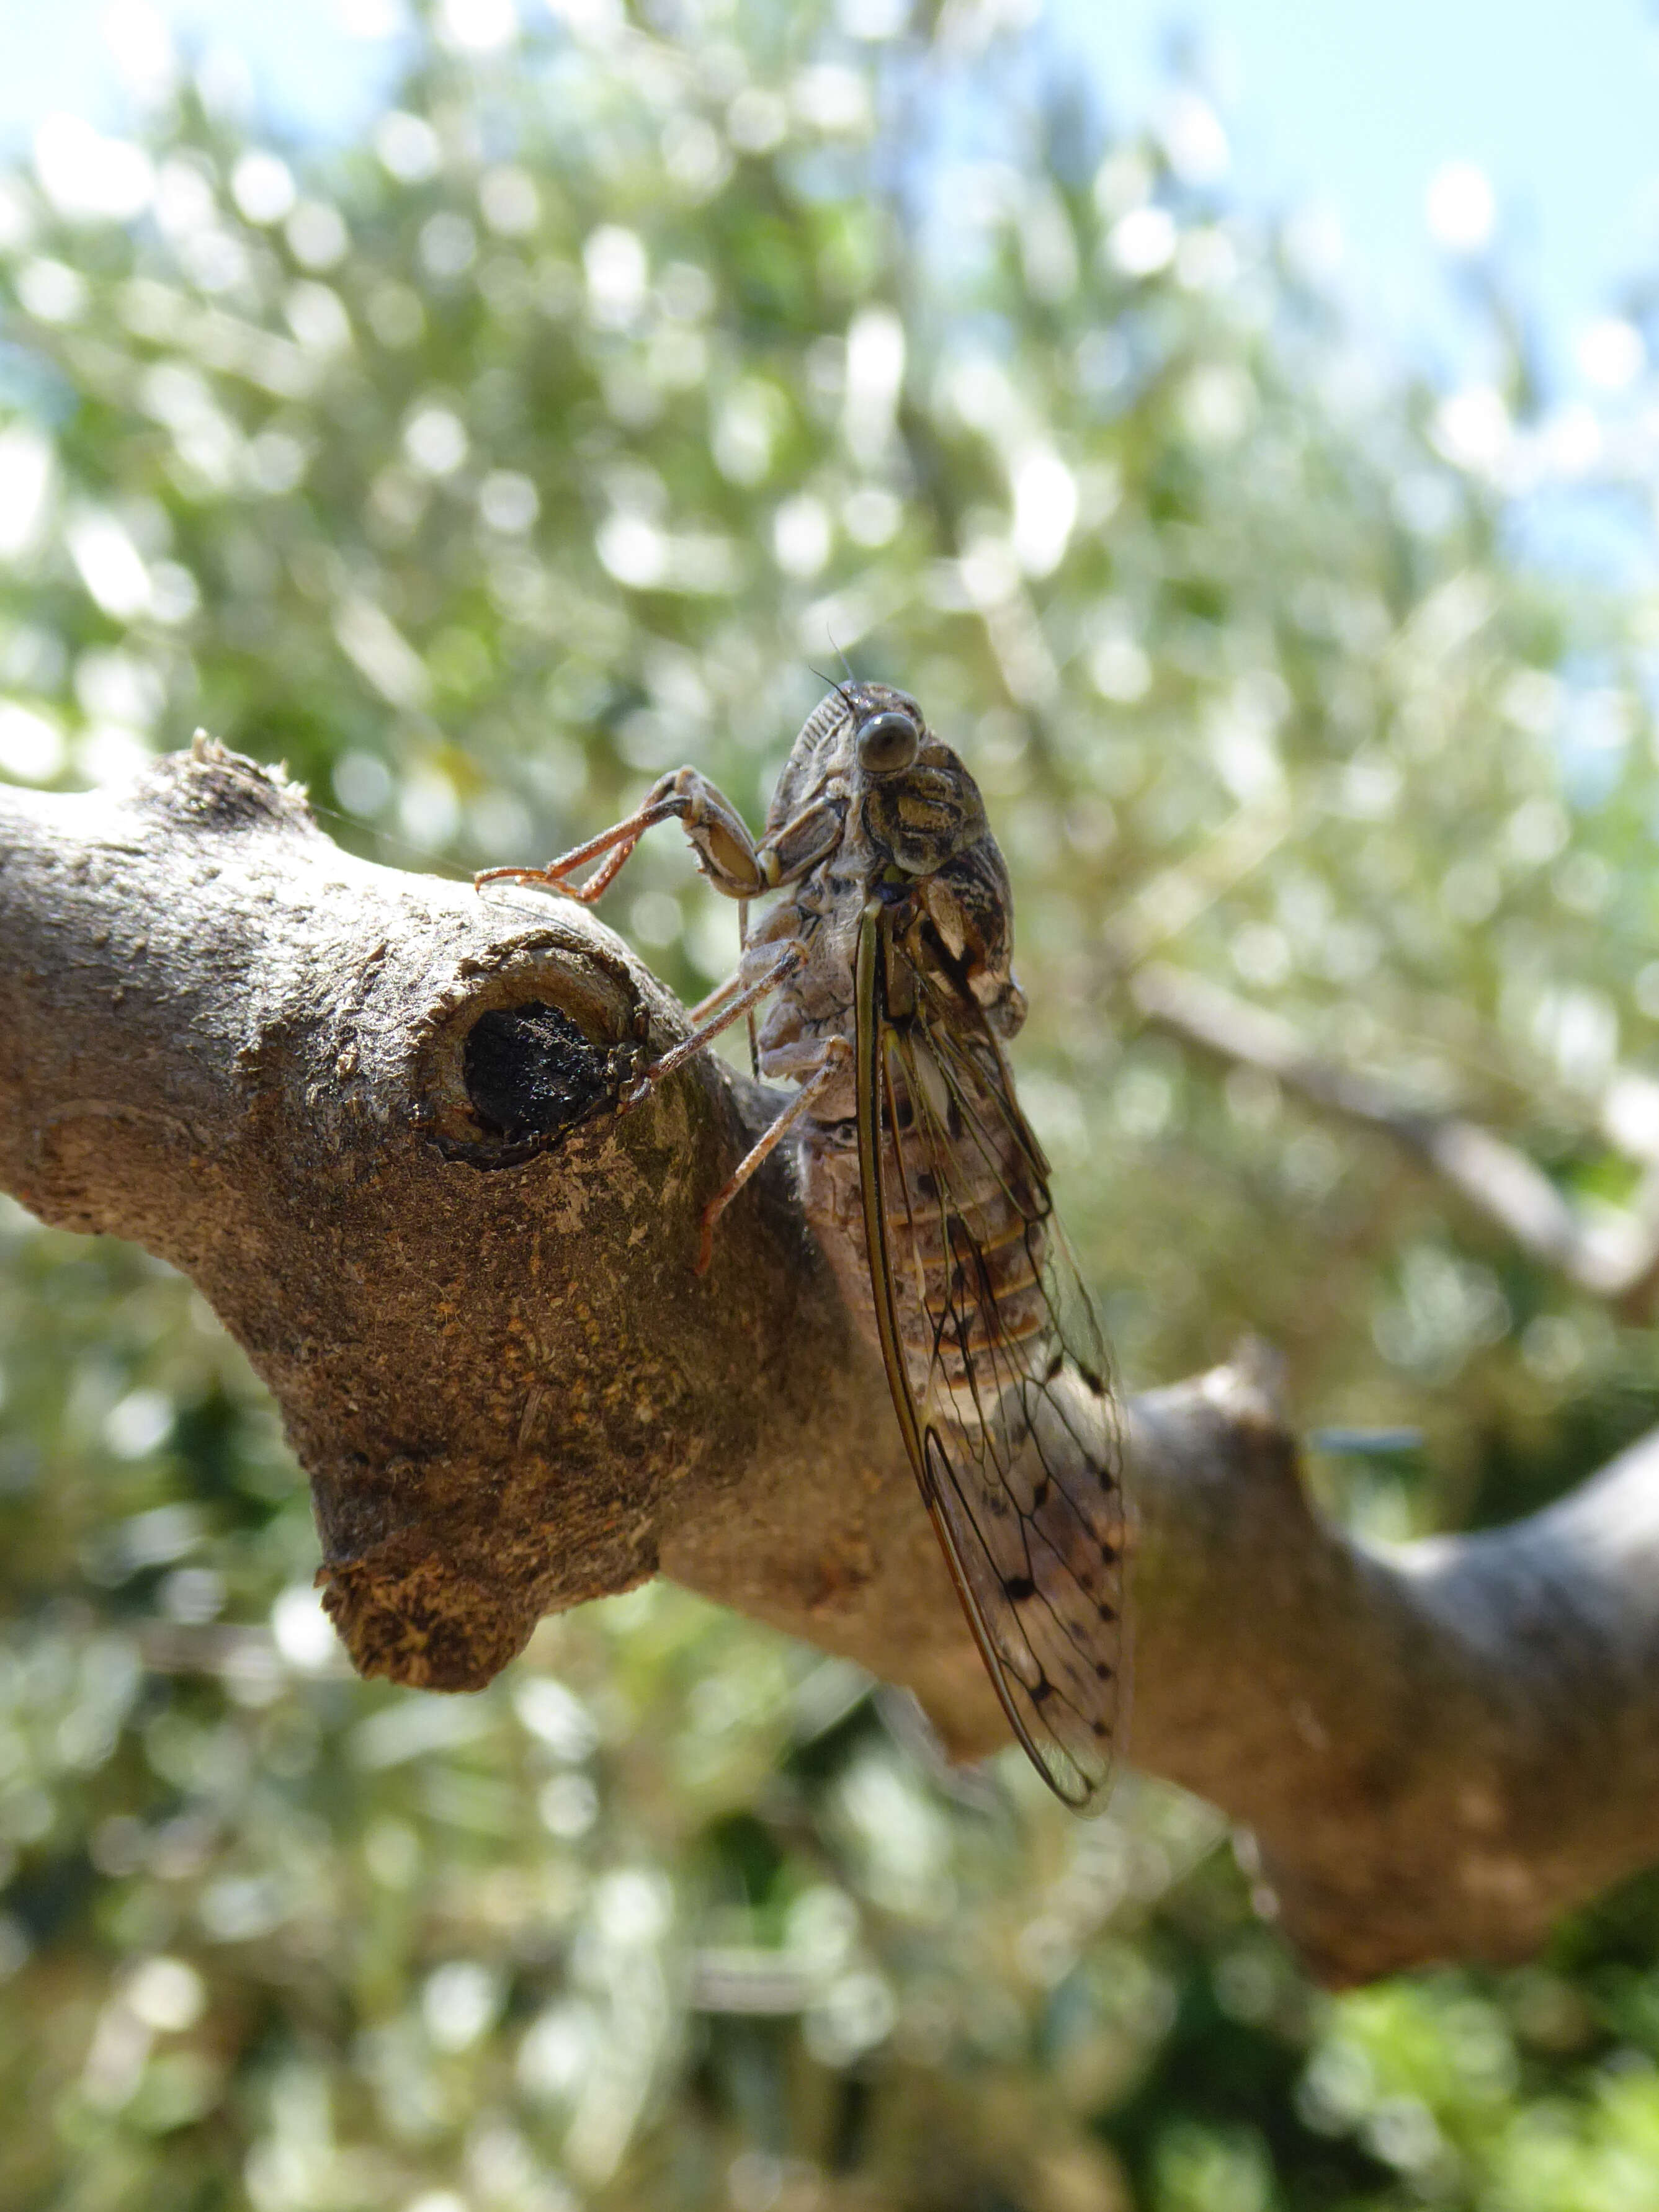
726,854
743,870
725,851
724,845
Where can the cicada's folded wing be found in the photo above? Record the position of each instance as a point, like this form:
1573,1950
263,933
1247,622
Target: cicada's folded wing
997,1364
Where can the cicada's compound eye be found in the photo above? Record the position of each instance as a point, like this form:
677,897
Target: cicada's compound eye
888,741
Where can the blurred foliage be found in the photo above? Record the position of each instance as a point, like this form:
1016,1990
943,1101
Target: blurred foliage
481,471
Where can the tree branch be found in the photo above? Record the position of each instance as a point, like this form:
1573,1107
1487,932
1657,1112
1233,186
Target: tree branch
372,1116
1612,1256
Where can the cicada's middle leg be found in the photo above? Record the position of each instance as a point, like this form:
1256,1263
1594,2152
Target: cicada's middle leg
734,999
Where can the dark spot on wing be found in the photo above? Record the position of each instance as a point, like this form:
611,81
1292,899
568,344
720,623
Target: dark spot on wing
1019,1588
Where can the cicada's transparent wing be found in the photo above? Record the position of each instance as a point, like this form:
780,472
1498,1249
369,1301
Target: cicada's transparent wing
998,1367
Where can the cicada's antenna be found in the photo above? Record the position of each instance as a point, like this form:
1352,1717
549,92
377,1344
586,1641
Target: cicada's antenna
845,663
840,689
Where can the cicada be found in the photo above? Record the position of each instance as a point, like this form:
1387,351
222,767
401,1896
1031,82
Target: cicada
885,970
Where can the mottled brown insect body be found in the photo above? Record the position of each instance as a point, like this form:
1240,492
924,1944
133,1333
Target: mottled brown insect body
916,838
887,959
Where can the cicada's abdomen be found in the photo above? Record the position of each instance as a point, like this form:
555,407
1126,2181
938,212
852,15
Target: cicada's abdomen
967,1276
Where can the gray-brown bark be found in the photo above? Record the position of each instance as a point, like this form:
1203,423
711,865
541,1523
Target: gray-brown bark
265,1060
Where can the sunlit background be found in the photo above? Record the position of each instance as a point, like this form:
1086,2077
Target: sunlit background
1242,439
1365,122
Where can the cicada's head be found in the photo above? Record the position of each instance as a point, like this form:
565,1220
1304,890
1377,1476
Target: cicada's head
921,807
857,730
919,803
924,822
887,731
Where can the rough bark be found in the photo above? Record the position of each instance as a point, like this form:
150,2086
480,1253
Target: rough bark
313,1085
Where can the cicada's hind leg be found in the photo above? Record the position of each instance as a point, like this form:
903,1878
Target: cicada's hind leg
837,1059
734,999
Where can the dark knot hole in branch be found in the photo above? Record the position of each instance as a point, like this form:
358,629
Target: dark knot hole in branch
530,1074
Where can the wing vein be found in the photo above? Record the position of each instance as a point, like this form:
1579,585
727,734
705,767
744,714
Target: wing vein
994,1356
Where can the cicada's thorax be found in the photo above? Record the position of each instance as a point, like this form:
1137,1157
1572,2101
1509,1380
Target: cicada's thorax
917,840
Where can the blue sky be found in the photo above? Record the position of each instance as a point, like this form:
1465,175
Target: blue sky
1348,109
309,59
1354,109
